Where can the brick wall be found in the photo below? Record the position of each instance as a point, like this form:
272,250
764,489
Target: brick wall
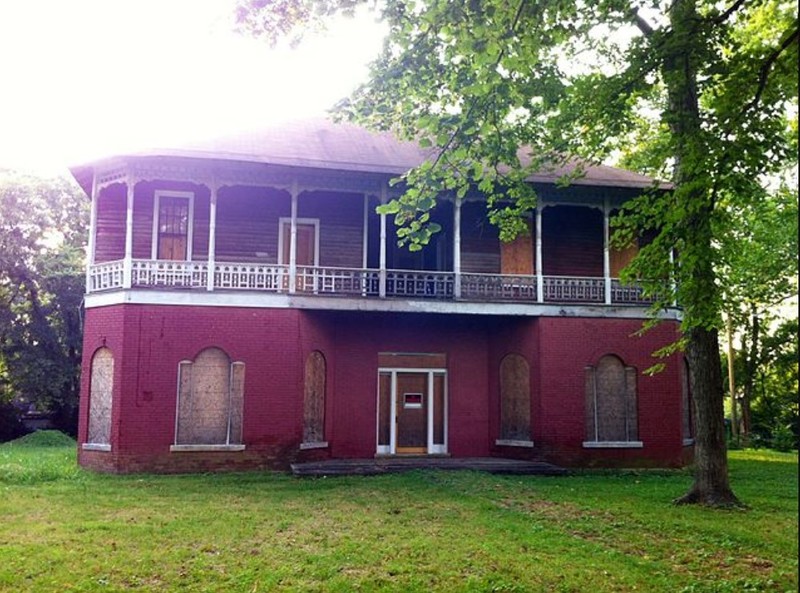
148,342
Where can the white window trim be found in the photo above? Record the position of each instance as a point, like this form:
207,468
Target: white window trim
159,193
283,220
688,442
96,447
314,445
613,444
189,448
513,443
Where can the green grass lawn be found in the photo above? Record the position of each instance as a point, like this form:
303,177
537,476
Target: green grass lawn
64,529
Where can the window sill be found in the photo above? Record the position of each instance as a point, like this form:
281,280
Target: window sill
613,444
513,443
688,442
96,447
189,448
314,445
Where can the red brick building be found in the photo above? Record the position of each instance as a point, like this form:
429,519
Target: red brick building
247,307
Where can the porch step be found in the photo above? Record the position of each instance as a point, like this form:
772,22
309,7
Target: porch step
371,467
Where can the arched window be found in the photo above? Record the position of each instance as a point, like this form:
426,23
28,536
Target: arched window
515,400
687,412
210,400
611,406
314,399
100,394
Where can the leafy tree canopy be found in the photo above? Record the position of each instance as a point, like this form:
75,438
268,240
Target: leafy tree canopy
43,225
503,89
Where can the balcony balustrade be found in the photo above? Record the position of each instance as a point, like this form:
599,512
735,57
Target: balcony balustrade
364,283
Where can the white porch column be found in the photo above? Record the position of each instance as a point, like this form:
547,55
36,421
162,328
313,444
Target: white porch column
212,236
365,233
539,275
91,247
127,264
457,248
293,241
606,253
673,284
382,262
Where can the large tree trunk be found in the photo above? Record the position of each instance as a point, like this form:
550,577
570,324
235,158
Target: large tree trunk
711,484
698,292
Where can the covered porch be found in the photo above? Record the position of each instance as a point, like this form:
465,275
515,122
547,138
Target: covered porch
277,231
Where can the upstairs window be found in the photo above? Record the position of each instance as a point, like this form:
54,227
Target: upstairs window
210,401
172,225
611,404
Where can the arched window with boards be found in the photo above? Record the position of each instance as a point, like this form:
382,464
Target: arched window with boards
611,404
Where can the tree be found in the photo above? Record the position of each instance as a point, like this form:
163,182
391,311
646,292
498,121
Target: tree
43,226
758,273
574,82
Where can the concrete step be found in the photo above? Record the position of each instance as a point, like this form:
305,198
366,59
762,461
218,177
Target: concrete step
385,465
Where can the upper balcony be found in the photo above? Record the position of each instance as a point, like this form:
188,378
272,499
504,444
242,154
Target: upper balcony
200,228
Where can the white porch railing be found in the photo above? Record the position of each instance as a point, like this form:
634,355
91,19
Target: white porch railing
169,273
358,282
498,287
338,281
106,276
568,289
628,294
266,277
420,284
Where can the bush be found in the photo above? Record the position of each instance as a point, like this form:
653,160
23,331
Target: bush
11,426
783,439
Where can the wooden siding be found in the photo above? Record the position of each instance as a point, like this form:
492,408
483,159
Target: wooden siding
480,241
341,224
110,235
572,241
247,223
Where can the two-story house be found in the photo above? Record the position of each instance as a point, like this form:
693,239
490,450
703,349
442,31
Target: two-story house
247,307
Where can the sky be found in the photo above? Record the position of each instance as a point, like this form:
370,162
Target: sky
82,79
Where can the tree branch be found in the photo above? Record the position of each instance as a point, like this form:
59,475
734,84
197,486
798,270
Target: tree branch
766,68
733,8
642,24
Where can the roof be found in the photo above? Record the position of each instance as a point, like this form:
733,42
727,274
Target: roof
323,144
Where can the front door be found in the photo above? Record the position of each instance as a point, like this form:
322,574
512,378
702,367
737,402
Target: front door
306,254
412,413
412,410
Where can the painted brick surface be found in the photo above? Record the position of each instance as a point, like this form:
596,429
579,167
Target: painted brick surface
148,343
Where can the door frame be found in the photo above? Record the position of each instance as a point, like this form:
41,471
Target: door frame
284,220
432,448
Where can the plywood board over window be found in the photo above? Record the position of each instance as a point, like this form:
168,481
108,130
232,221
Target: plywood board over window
516,257
210,401
611,404
100,398
515,401
314,400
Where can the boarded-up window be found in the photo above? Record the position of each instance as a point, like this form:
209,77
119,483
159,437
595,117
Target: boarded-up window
100,390
687,417
515,399
611,407
210,400
314,399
